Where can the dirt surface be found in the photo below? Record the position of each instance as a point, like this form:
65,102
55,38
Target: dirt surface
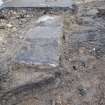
80,79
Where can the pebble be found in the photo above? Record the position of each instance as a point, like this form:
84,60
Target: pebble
1,38
82,91
9,25
14,29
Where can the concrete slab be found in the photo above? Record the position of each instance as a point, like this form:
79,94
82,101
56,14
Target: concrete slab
38,3
42,42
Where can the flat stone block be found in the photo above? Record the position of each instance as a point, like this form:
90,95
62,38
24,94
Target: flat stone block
42,42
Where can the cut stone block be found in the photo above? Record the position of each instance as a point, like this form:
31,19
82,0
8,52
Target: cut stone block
37,3
42,42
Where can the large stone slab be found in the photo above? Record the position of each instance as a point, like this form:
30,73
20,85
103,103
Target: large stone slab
37,3
42,43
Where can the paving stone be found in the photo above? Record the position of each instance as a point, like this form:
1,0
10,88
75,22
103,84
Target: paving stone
37,3
42,42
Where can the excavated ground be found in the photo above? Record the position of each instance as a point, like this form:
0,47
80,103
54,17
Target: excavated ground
80,79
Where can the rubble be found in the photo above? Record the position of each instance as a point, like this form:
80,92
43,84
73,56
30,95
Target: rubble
101,12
